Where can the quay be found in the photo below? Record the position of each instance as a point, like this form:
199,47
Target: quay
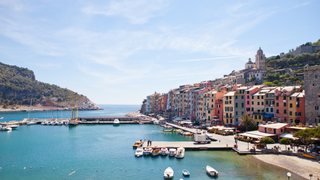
220,143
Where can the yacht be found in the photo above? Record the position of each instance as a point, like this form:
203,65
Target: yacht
116,122
53,123
180,153
147,150
60,123
139,152
172,152
164,151
5,128
31,123
14,126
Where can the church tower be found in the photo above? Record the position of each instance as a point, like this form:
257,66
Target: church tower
260,60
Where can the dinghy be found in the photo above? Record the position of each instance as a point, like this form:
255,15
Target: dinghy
168,173
211,171
185,172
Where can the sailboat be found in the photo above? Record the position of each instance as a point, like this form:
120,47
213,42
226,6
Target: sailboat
74,119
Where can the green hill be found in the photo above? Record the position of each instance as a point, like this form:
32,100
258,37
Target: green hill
19,85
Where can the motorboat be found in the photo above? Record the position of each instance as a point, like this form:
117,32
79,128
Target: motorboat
147,150
164,151
185,172
139,152
187,133
168,173
137,144
167,126
1,117
181,132
155,151
172,152
5,128
211,171
53,123
31,123
177,130
60,123
44,123
180,153
116,122
14,126
167,130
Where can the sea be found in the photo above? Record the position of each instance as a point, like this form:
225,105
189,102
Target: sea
40,152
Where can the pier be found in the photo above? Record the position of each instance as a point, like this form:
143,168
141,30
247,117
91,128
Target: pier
220,143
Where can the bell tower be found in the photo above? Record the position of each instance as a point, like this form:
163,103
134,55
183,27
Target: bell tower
260,60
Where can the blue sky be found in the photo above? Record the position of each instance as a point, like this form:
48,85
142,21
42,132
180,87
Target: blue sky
118,52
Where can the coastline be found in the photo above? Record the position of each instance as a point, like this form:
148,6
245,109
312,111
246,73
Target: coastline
293,164
42,108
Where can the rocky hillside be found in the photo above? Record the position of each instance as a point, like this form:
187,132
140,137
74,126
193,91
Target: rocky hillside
18,87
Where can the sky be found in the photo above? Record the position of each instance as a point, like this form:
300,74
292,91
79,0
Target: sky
120,51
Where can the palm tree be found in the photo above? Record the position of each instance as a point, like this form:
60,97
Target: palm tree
246,121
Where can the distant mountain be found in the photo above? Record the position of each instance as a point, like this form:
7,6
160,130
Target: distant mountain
18,86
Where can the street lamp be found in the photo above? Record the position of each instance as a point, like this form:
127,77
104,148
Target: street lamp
289,175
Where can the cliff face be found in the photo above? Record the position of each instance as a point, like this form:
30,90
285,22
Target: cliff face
18,86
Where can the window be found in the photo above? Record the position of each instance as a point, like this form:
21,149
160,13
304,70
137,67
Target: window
236,105
227,121
231,108
231,121
252,109
267,109
277,104
211,100
236,119
211,105
255,117
277,111
242,113
285,104
277,97
248,103
262,97
290,98
252,102
285,111
261,103
266,102
236,97
231,115
258,103
236,112
259,116
252,97
218,111
284,97
258,97
271,109
248,93
242,104
248,97
290,113
242,97
208,111
291,105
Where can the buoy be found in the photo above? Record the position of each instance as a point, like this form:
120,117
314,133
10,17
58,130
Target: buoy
41,166
53,169
24,168
30,167
112,170
151,168
12,165
71,169
139,169
76,169
203,168
120,169
126,170
102,170
160,168
98,176
97,170
0,167
57,168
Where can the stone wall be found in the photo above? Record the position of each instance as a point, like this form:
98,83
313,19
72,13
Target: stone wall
302,49
312,93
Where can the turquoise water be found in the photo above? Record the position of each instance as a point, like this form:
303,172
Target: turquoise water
88,148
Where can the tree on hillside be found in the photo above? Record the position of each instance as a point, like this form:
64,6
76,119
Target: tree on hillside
267,140
246,121
285,141
253,78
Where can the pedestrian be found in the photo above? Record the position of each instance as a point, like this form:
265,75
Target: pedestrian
150,143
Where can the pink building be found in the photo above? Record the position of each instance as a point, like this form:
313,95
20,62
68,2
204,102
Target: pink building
274,128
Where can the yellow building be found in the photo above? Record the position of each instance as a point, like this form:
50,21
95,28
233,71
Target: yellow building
228,105
257,107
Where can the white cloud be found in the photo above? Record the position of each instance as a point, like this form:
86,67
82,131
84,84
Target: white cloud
138,11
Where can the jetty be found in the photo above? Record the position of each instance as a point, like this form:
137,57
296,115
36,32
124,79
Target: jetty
219,142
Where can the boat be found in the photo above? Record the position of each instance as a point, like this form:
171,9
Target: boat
1,117
137,144
172,152
14,126
60,123
155,151
167,130
187,133
74,119
139,152
181,132
168,173
43,123
147,150
53,123
116,122
167,126
185,172
180,153
211,171
5,128
164,151
177,130
31,123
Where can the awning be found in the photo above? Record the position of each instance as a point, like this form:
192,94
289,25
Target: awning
288,135
256,134
268,115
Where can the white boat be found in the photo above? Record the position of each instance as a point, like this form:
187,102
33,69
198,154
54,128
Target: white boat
31,123
44,123
53,123
60,123
5,128
155,151
168,173
185,172
1,117
14,126
139,152
180,153
147,150
116,122
211,171
172,152
164,151
167,126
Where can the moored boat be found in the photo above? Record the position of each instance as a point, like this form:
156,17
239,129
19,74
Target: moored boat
170,130
172,152
5,128
147,150
187,133
14,126
137,144
164,151
211,171
185,172
168,173
180,153
31,123
116,122
155,151
139,152
177,130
